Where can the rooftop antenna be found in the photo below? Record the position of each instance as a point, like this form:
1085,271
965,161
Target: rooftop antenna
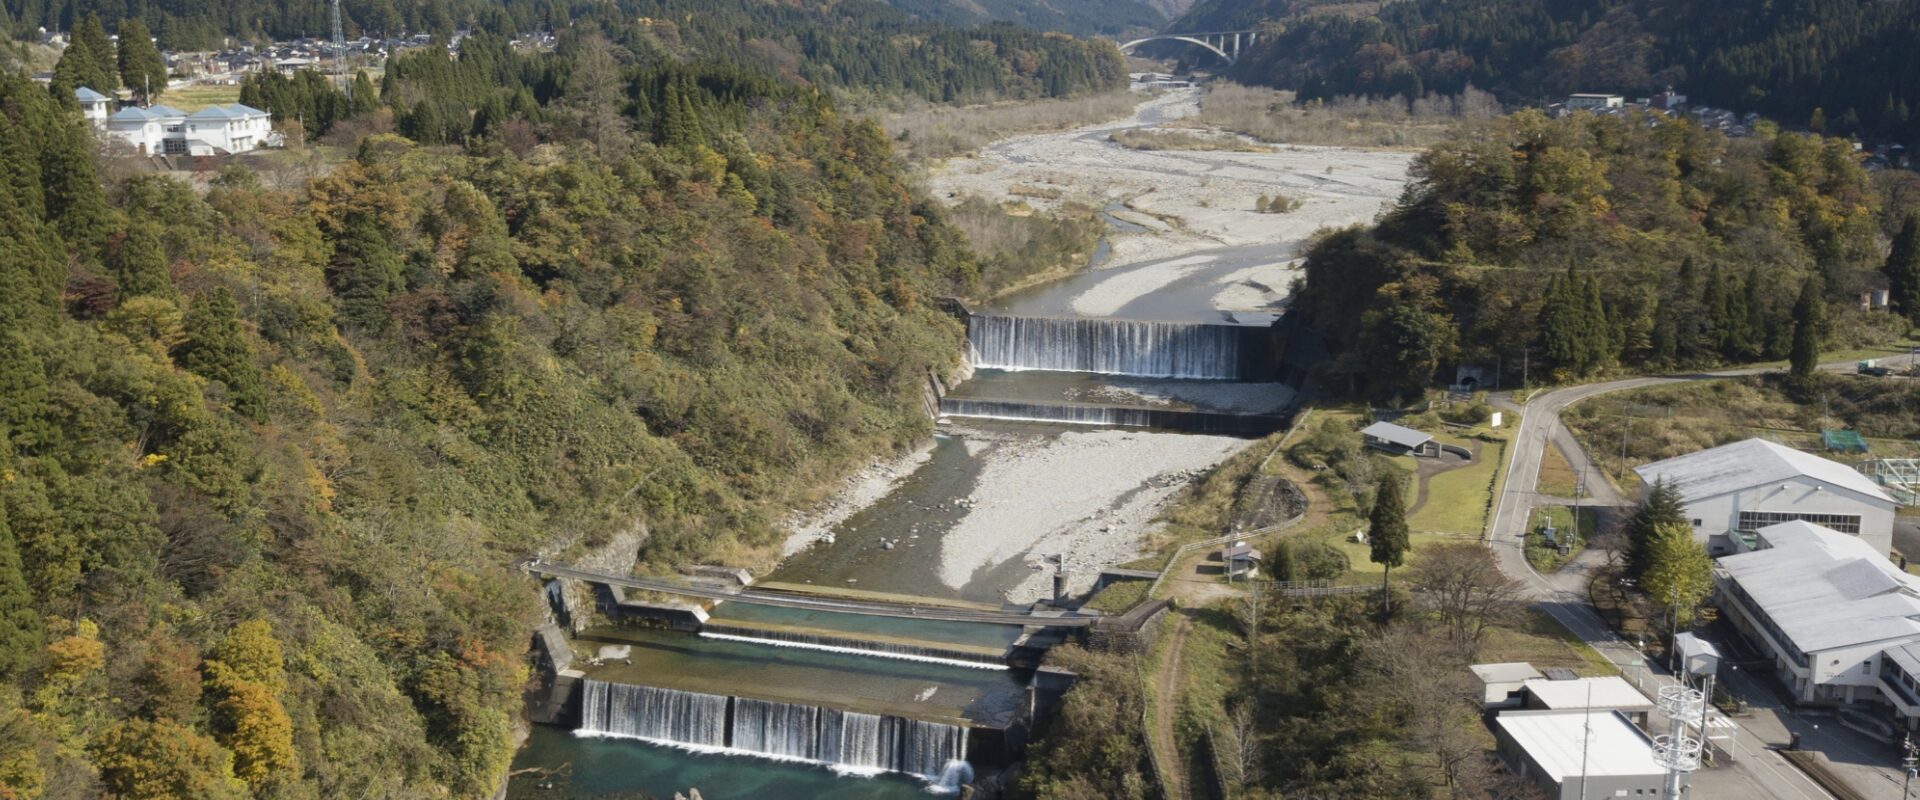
340,52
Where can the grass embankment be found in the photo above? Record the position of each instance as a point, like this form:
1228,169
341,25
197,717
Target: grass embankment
1666,421
1119,597
1557,478
1547,558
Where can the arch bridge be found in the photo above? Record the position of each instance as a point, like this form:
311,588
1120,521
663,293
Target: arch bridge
1225,44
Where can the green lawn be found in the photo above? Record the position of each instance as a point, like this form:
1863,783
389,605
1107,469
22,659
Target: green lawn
1547,559
1457,499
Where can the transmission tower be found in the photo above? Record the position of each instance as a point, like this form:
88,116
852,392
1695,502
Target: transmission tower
340,52
1675,750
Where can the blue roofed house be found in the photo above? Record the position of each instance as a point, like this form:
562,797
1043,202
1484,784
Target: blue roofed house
94,106
161,129
233,128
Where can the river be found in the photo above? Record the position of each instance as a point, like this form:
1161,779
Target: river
979,514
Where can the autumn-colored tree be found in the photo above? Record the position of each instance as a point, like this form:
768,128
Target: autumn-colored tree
1679,572
252,722
164,761
250,652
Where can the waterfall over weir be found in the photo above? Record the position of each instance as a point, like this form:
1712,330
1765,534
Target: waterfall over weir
1121,347
841,739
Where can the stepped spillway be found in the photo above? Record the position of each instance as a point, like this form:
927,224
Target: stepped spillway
1121,347
848,740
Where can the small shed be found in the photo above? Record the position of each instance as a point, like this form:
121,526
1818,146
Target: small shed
1500,684
1242,560
1400,441
1698,656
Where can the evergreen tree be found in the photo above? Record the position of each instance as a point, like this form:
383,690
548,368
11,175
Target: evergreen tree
140,262
141,67
95,62
1662,507
365,99
364,272
1572,325
1903,271
216,350
21,630
1809,318
1387,536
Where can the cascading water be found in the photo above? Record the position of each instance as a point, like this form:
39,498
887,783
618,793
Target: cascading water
646,712
1119,347
846,740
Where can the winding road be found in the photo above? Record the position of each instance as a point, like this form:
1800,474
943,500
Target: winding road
1758,771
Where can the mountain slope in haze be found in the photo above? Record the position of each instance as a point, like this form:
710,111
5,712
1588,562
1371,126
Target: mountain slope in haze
1853,61
1077,17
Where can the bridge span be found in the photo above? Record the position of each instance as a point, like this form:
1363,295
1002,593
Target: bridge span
805,603
1225,44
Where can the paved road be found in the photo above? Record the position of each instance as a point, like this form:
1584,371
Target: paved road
1758,772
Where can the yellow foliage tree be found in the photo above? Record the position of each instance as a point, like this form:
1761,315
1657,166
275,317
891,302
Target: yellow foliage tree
258,730
250,653
164,761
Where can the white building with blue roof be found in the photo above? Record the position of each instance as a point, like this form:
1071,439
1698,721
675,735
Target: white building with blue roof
94,105
164,130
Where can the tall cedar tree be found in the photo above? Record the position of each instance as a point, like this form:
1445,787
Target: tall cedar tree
141,67
139,262
21,630
1662,507
217,350
1387,535
364,272
1903,271
1809,318
96,65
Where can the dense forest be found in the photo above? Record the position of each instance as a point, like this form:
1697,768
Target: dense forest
267,456
1588,243
847,43
1078,17
1851,60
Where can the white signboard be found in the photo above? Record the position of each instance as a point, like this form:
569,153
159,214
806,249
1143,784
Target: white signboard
1496,419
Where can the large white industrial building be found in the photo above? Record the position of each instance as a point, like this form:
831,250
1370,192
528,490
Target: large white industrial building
1732,491
1840,622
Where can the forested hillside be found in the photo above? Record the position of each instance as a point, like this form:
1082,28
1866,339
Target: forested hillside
1852,60
1587,243
267,457
1078,17
855,43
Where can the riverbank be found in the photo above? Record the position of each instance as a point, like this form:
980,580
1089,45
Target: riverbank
1192,212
